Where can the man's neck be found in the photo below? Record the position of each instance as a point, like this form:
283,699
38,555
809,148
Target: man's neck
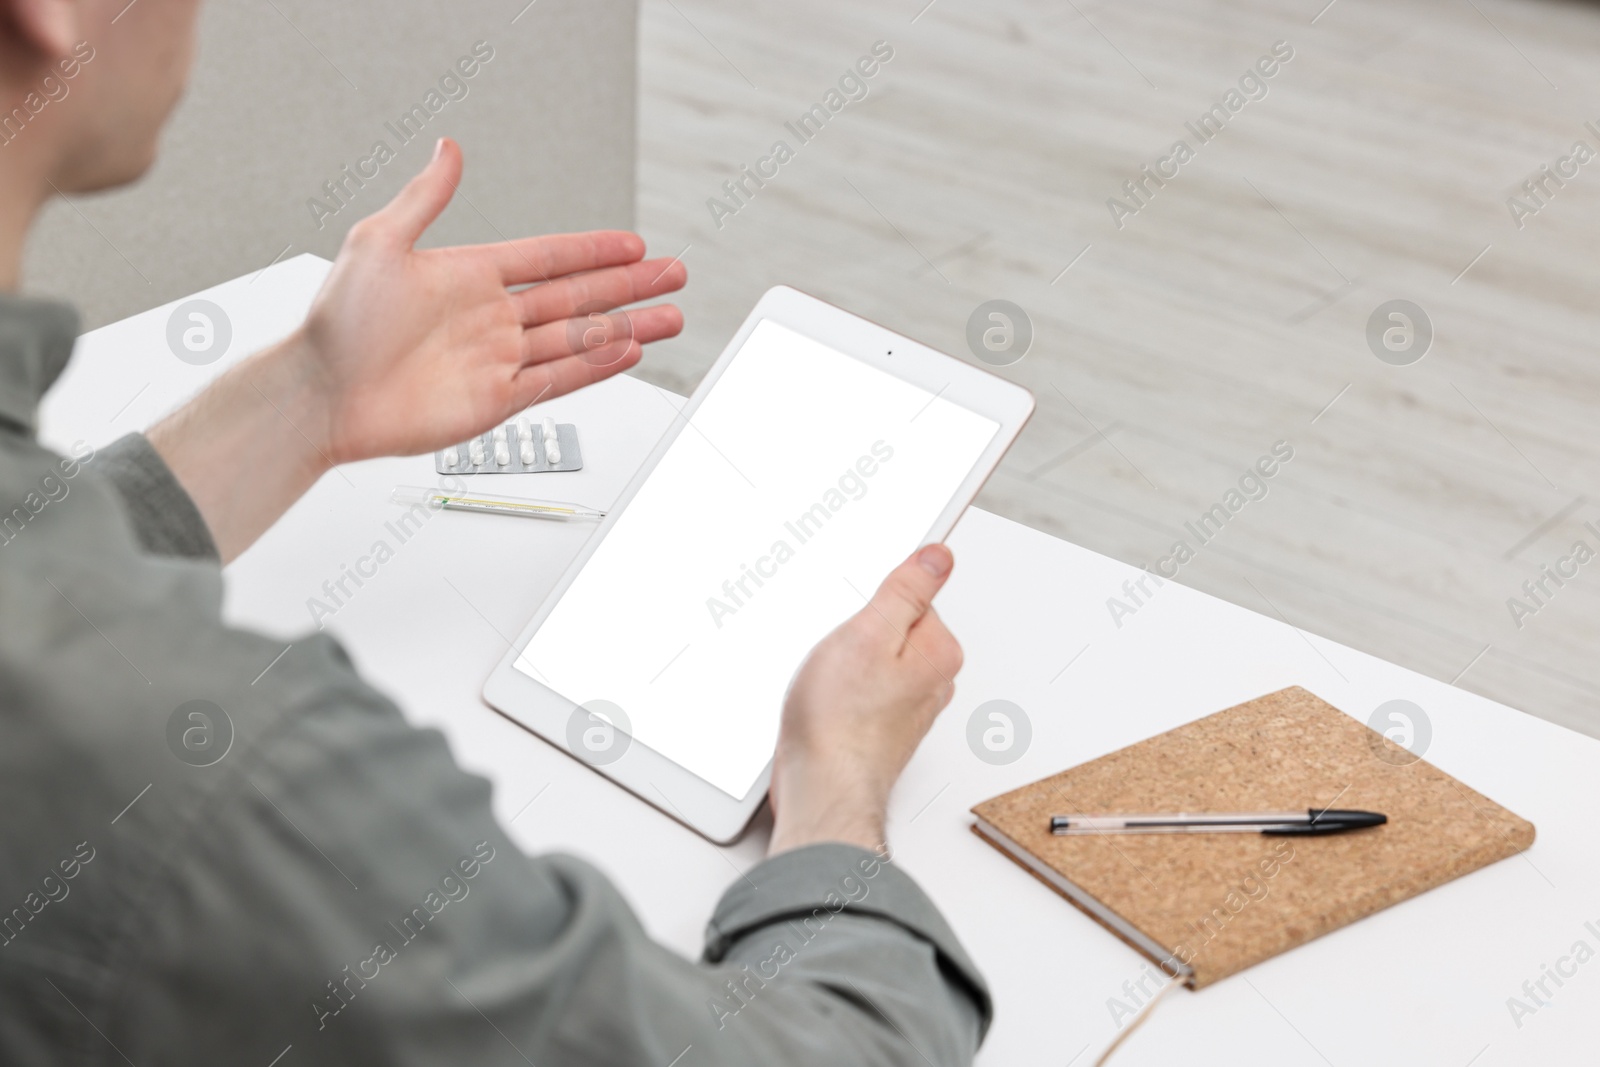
23,192
25,169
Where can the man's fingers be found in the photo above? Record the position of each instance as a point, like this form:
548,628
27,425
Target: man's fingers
598,340
600,290
557,362
558,377
907,594
426,196
531,260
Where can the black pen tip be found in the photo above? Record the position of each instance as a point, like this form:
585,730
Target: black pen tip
1346,818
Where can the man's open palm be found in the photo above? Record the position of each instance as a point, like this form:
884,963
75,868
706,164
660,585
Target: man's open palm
417,349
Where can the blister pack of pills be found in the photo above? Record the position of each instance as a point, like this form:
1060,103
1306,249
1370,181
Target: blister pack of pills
519,447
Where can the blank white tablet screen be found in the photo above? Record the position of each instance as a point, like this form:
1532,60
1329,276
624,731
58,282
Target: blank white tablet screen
803,478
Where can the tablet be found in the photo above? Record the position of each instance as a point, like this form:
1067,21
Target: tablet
818,453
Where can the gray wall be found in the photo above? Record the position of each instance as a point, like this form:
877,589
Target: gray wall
286,93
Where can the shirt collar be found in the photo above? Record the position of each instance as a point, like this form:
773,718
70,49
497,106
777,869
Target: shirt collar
36,339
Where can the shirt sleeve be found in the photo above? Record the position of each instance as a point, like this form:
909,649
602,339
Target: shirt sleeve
351,895
164,517
767,920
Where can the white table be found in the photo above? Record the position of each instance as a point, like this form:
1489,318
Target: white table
1426,982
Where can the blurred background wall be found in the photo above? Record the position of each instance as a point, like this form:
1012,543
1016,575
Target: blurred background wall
287,93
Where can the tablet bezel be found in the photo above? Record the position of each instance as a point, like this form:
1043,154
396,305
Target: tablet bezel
668,786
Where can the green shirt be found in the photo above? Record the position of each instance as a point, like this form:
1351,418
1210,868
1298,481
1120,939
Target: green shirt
303,875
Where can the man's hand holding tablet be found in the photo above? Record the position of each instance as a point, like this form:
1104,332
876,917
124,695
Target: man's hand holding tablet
860,705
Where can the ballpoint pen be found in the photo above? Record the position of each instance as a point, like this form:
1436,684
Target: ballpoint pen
1273,823
413,495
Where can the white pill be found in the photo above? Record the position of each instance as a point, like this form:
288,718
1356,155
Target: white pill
451,458
502,454
499,435
524,429
549,429
528,456
475,450
552,453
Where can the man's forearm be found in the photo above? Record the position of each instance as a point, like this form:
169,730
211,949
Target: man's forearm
248,447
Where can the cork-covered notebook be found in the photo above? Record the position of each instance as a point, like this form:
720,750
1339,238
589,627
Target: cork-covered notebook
1208,905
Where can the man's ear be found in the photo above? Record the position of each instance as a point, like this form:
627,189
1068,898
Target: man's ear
50,26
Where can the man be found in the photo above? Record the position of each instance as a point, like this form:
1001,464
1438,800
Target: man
336,891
